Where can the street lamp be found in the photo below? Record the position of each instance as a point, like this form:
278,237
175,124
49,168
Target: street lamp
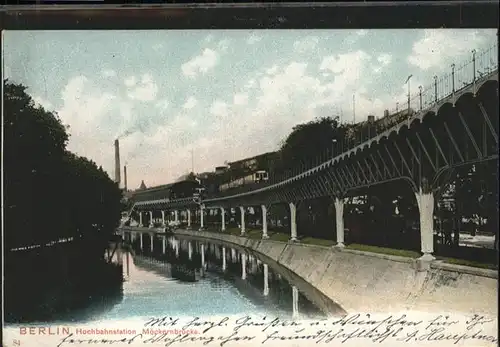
473,65
435,89
453,78
420,95
408,81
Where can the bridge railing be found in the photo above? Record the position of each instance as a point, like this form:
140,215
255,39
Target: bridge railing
479,64
459,76
476,66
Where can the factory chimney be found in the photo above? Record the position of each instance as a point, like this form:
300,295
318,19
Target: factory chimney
125,177
117,162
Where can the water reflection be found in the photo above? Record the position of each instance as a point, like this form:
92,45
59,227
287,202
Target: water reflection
183,277
263,286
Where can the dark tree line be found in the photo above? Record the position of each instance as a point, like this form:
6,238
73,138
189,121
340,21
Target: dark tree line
50,193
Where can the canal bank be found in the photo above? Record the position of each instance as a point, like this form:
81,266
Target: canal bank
361,281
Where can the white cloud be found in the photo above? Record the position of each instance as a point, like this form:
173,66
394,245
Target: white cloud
87,110
202,63
108,73
190,103
437,47
209,38
292,94
145,91
362,32
130,81
157,47
46,104
356,36
347,68
219,108
253,38
252,117
307,44
240,99
163,104
98,116
384,59
272,70
7,71
223,45
250,84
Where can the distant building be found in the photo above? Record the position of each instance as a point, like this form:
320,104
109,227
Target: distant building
186,177
142,186
255,163
247,172
204,175
390,120
219,170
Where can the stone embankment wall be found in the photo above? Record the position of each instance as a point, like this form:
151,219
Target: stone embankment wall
360,281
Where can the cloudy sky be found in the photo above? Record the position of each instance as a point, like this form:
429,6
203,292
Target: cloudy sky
224,95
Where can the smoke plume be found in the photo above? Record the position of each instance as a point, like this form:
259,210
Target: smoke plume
137,128
126,133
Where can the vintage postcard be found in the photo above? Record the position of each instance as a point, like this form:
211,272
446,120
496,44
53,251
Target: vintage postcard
250,187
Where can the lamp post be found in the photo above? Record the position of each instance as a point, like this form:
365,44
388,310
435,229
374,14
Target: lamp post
453,78
474,70
420,96
474,65
435,89
409,99
354,108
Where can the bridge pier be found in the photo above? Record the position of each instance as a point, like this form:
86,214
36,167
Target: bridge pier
141,241
190,250
164,244
140,219
339,221
223,217
152,240
264,222
425,201
176,216
242,212
293,222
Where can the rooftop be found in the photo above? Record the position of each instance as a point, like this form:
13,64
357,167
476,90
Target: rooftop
254,157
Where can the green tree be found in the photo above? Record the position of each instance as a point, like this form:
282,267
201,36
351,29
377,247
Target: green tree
50,193
35,143
307,143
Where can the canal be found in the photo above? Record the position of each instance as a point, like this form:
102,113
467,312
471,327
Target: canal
187,278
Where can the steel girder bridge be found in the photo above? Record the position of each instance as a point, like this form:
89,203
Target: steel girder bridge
424,150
